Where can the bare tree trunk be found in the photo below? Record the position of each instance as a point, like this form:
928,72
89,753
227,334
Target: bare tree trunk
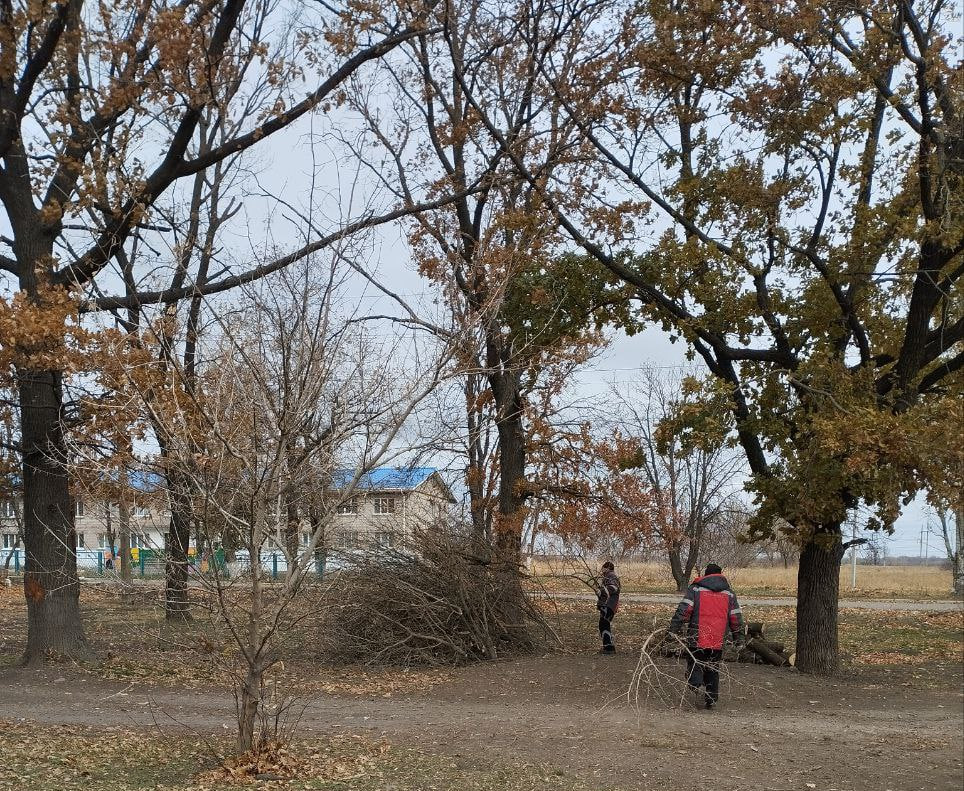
250,697
959,551
512,455
292,533
176,603
50,581
683,569
818,583
680,577
124,523
955,550
318,529
508,539
10,554
533,531
18,518
248,707
479,511
110,534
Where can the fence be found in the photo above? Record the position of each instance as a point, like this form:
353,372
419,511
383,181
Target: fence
144,562
151,562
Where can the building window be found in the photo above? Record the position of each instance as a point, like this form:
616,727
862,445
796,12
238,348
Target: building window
81,541
78,507
349,506
305,538
139,541
384,539
7,511
384,505
102,541
142,511
348,540
9,540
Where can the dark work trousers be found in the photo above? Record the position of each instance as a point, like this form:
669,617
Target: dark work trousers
606,615
703,669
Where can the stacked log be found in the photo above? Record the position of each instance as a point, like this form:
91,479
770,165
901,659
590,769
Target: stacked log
759,649
756,649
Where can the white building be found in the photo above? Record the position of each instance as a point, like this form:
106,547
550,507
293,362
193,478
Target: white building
95,519
388,506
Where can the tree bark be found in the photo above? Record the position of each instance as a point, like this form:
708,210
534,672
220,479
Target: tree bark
318,529
682,570
676,567
18,514
249,699
248,708
480,510
818,584
109,533
763,649
124,523
10,554
754,629
957,558
176,603
512,455
508,538
51,585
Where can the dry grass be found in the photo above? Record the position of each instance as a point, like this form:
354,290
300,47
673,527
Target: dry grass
873,582
44,757
867,637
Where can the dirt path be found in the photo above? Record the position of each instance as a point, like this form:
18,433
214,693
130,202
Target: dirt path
879,605
775,731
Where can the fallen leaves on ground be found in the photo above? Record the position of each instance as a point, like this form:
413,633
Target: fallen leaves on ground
43,757
341,759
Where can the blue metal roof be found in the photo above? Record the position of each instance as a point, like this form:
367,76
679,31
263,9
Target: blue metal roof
139,480
381,478
145,481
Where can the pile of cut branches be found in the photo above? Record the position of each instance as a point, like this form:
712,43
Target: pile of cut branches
441,600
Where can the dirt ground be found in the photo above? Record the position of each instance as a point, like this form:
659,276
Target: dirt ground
775,729
882,724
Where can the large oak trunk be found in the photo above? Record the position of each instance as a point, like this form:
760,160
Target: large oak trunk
508,537
508,526
818,584
51,585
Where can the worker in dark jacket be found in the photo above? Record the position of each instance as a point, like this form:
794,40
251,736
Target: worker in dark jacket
709,609
607,602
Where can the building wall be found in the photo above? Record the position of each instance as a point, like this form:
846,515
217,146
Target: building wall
383,517
148,524
389,517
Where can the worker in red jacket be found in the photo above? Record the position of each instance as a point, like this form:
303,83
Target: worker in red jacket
708,609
